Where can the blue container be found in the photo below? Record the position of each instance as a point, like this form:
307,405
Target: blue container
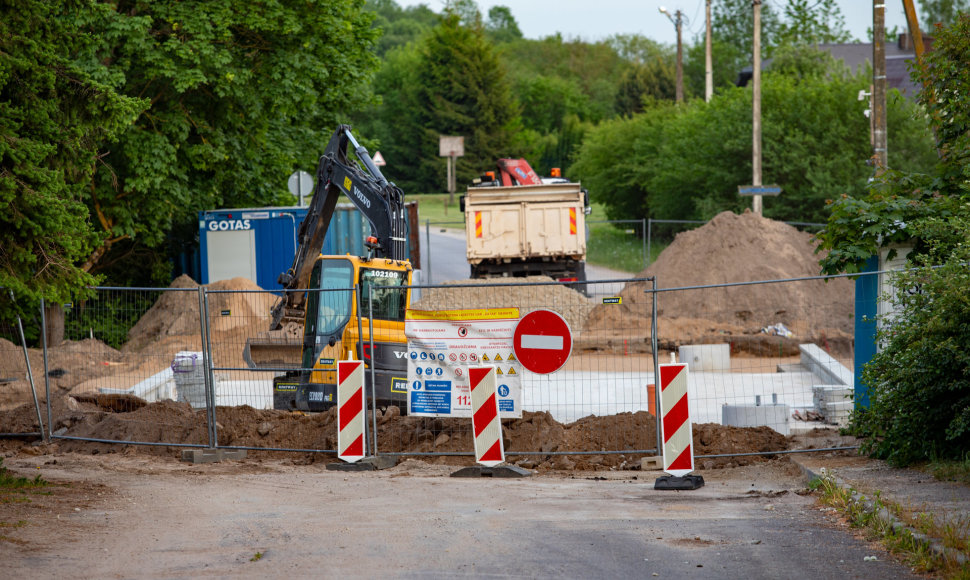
260,243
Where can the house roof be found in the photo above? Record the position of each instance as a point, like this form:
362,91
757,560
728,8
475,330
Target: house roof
899,58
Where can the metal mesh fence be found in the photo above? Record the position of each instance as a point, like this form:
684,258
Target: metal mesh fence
18,388
127,356
767,353
598,403
174,367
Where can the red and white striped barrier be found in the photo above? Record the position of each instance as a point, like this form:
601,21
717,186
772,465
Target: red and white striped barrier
350,410
678,450
485,418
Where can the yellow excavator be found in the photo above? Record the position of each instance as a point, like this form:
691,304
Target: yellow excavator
332,305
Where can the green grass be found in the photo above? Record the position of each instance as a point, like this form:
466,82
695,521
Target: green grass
9,482
952,470
436,208
952,532
612,246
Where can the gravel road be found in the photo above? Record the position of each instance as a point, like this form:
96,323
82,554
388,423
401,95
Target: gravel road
149,517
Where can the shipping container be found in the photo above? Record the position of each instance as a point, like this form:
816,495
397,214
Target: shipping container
260,243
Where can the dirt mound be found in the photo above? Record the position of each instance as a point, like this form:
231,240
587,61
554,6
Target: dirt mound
176,312
736,248
539,292
530,441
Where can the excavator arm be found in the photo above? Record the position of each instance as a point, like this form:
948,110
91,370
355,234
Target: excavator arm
379,200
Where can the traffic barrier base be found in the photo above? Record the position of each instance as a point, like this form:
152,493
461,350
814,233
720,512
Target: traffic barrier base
685,483
503,470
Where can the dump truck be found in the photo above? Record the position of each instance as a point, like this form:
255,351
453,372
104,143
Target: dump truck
343,307
519,224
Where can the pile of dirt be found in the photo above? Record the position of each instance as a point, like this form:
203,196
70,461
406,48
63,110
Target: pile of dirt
735,248
238,309
535,441
527,294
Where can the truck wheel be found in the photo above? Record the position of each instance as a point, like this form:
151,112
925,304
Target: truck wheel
581,285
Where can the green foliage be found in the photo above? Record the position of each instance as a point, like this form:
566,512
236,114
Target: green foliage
809,22
919,382
946,96
463,91
898,201
108,316
239,99
501,25
400,26
56,119
943,12
687,162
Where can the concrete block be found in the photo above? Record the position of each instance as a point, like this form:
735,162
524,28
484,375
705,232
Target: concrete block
775,416
706,357
212,455
825,367
655,463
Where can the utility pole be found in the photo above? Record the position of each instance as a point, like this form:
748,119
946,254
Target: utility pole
756,107
708,66
879,141
678,20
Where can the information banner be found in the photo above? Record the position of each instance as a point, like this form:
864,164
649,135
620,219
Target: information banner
442,344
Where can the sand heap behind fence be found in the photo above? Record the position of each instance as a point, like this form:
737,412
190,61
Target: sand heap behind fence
734,248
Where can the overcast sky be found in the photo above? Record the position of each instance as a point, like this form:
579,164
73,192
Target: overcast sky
598,19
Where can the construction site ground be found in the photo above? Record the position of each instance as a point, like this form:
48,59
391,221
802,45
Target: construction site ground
135,515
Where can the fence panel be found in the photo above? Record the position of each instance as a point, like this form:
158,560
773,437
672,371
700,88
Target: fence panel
255,374
19,405
126,370
773,353
595,411
169,367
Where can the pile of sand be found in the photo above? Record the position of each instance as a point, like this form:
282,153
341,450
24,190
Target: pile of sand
527,294
736,248
236,304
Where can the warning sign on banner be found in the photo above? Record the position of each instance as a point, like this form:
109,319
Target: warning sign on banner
442,344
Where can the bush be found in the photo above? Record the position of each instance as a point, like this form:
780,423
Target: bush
919,381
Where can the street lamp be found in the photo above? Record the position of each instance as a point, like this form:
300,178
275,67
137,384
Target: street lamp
677,19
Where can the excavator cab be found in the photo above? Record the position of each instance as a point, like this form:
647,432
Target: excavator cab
334,331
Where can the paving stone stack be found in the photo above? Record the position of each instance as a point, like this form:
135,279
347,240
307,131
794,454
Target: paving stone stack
834,402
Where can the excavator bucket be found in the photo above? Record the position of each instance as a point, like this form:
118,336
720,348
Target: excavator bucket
275,349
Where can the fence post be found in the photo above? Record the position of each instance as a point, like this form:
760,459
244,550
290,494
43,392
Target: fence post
30,371
643,232
656,365
210,395
47,377
373,361
649,233
427,236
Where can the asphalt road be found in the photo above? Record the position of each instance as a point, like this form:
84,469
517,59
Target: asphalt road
155,518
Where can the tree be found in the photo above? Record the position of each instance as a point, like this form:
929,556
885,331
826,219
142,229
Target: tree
943,12
239,99
463,91
56,122
688,161
501,25
809,22
399,26
917,382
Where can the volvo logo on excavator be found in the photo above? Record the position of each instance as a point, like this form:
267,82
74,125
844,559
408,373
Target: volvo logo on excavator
363,198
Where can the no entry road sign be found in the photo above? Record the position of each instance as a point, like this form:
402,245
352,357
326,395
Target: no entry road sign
542,341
